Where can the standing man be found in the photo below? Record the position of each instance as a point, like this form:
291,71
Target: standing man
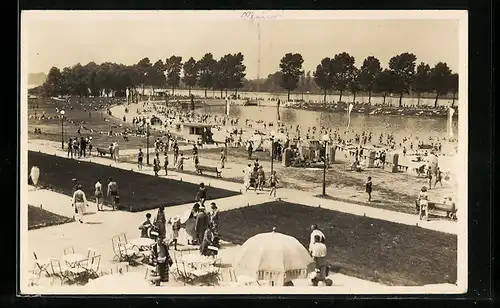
222,158
176,151
315,231
165,163
163,260
140,158
214,218
318,252
113,192
79,201
368,188
201,224
99,195
70,148
156,163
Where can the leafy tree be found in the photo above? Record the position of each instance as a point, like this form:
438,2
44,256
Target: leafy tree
236,71
341,70
206,66
222,74
91,69
173,67
384,83
440,77
291,69
368,74
190,73
403,68
143,67
323,77
453,87
421,80
354,86
53,85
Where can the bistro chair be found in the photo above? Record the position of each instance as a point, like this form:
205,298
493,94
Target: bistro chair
69,250
59,271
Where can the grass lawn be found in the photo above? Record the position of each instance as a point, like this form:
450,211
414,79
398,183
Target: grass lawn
39,218
99,121
138,191
392,191
376,250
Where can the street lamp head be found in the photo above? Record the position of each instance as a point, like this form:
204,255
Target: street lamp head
148,120
62,112
325,138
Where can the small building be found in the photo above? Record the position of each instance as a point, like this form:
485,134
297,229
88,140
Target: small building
192,131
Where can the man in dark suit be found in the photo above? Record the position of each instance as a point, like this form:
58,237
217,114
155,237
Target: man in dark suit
162,259
201,224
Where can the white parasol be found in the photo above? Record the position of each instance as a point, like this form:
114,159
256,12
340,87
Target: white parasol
35,175
273,257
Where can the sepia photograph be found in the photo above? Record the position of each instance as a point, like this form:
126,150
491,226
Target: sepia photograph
243,152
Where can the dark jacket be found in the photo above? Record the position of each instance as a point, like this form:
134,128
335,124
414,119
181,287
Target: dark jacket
201,222
155,253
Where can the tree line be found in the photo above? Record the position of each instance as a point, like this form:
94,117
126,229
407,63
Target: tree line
339,73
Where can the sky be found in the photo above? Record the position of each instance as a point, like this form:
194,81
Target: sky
64,38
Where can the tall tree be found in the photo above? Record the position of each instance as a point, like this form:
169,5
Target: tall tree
342,68
206,67
403,69
190,73
156,75
384,83
143,67
173,68
53,85
353,84
291,69
368,74
222,74
440,76
421,80
454,87
237,72
322,76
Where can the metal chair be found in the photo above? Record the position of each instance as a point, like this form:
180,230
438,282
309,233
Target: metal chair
69,250
59,271
40,267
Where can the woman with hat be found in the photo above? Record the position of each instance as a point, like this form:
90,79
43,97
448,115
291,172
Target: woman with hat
162,259
174,227
214,217
423,200
160,221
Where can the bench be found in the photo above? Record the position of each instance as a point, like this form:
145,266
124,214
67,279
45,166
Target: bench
435,208
103,152
200,169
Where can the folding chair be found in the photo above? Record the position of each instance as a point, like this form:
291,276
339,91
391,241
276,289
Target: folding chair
93,266
69,250
79,273
91,253
128,254
151,274
59,271
40,267
122,266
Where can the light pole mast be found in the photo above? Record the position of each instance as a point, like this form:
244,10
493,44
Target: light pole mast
258,62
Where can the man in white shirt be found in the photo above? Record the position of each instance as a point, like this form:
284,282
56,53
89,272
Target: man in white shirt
315,231
318,252
79,201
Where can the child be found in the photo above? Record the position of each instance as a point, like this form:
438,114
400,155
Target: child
439,176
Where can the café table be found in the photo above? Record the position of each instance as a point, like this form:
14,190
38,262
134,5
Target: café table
143,243
197,260
73,259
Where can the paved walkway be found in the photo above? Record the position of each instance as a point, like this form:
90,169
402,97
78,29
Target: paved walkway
98,227
288,195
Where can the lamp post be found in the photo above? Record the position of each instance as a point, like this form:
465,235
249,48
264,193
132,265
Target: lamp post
272,151
148,121
325,138
62,128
